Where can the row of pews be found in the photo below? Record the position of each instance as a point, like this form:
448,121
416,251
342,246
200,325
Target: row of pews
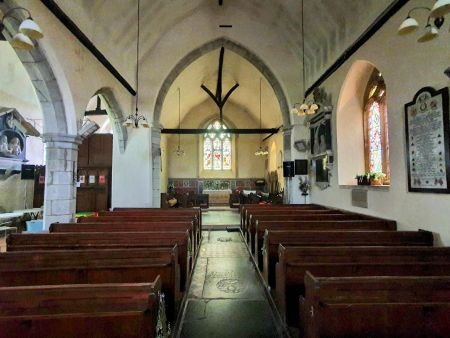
334,273
119,274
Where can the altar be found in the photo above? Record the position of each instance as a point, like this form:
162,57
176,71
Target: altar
218,196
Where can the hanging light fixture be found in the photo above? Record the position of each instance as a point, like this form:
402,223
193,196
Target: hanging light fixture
136,120
261,150
179,151
304,108
431,30
28,29
440,8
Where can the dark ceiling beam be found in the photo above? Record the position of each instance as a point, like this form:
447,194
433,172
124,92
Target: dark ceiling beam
226,131
384,17
75,30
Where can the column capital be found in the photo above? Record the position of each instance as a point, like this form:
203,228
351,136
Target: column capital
63,138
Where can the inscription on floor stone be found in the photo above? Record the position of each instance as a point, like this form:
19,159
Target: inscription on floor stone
229,285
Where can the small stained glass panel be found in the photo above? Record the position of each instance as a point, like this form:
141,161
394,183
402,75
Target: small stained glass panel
207,154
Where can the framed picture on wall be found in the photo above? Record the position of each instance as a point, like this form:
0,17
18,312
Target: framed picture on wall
427,128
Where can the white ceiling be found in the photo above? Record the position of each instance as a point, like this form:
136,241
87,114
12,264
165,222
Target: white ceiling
330,27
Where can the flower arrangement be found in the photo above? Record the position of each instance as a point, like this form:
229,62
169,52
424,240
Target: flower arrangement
363,179
371,178
304,186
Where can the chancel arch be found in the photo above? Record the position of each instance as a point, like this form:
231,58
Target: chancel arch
197,110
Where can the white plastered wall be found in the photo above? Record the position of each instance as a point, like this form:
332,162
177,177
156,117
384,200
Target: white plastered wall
407,66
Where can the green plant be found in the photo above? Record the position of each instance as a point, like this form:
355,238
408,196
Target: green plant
378,176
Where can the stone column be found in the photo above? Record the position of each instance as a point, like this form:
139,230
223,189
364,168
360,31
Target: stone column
156,165
61,155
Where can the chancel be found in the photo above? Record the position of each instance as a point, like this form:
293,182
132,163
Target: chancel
245,168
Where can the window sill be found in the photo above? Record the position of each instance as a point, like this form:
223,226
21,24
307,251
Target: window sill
367,187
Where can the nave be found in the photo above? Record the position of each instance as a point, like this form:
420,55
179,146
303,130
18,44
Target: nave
138,272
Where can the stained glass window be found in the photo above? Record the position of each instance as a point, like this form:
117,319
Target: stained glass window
376,126
217,148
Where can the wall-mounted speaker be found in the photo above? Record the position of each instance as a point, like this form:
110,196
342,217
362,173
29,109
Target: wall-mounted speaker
301,167
27,172
288,169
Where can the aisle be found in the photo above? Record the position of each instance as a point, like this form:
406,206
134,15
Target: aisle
226,297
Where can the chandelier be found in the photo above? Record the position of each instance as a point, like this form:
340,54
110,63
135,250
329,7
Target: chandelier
261,151
304,108
137,120
435,21
179,151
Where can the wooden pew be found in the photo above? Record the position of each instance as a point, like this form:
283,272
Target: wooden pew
74,311
317,225
154,211
144,224
380,224
244,209
401,307
193,212
306,215
95,267
290,273
194,226
283,211
341,254
106,240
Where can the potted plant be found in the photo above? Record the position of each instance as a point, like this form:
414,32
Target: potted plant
377,178
363,179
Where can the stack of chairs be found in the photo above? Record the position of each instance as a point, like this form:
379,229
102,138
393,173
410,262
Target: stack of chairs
334,273
119,274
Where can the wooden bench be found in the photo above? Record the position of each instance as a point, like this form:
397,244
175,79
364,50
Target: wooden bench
290,275
195,228
371,224
273,238
106,240
95,267
72,311
245,209
306,215
283,211
140,225
401,307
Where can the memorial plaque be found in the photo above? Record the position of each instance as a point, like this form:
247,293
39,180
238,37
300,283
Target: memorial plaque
427,141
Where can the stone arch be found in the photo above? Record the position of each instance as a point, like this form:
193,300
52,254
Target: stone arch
41,76
350,122
115,113
237,48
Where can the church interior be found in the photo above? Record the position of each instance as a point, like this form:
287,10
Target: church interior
227,168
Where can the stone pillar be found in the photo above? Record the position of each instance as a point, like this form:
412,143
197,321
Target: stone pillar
156,165
61,155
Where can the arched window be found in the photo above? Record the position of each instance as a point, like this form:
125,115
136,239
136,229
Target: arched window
217,148
376,142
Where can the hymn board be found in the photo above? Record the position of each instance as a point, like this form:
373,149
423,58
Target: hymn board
427,140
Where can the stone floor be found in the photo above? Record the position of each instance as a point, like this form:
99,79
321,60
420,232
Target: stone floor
226,297
220,216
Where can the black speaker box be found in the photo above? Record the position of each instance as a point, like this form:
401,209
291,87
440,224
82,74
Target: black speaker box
27,172
301,167
288,169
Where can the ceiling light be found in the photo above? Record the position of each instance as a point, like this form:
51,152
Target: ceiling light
429,34
31,29
409,25
440,8
28,29
21,41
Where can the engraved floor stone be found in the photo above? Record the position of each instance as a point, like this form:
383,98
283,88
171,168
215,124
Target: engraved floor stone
226,297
